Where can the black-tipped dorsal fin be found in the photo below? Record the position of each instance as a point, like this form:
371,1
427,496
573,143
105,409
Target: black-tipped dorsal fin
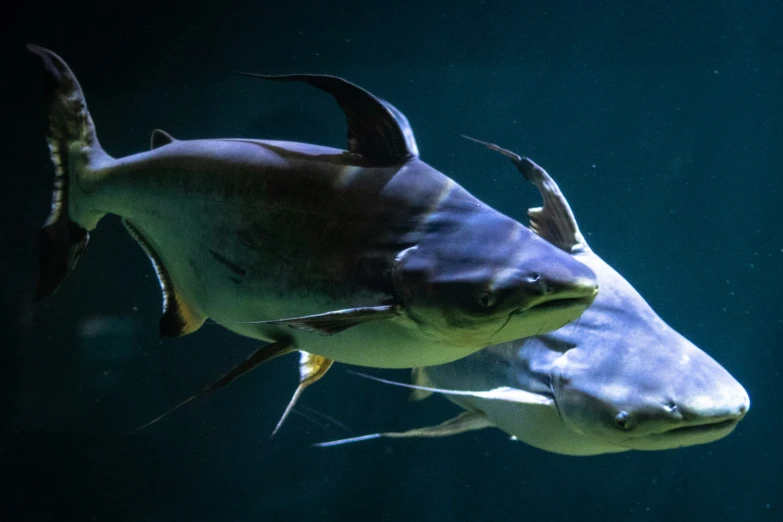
554,221
377,131
178,317
160,138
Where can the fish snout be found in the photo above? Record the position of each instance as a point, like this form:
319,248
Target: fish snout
708,412
544,291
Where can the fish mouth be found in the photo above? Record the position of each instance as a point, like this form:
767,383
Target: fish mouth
563,302
580,294
546,316
703,428
683,436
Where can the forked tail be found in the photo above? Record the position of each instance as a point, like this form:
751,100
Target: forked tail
73,146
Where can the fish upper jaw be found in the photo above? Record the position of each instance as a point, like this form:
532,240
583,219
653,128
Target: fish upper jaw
582,291
700,417
701,421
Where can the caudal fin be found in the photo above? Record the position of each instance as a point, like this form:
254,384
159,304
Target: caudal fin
71,133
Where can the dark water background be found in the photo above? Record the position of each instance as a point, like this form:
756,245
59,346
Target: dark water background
660,120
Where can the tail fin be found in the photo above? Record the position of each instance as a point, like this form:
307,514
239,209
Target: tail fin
71,132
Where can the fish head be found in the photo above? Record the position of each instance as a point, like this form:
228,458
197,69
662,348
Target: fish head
491,281
658,392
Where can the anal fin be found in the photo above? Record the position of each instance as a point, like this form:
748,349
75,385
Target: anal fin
178,318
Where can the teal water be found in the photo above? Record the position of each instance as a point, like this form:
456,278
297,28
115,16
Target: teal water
661,121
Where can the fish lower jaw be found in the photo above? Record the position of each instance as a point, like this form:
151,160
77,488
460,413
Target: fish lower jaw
541,319
563,303
705,428
683,436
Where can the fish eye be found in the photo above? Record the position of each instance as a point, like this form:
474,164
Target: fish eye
487,299
534,277
623,421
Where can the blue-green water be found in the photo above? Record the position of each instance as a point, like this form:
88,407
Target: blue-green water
661,121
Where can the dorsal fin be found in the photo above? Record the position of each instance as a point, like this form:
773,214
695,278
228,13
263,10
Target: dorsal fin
160,138
178,317
553,221
377,131
405,127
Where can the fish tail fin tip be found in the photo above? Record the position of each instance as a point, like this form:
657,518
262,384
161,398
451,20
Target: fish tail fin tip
74,148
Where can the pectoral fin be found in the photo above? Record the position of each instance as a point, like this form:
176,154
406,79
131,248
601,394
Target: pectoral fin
331,323
465,421
554,221
503,393
311,368
256,359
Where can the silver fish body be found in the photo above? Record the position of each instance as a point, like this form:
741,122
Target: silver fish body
619,379
367,256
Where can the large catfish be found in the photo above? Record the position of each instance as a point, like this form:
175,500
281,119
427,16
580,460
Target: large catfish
366,256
